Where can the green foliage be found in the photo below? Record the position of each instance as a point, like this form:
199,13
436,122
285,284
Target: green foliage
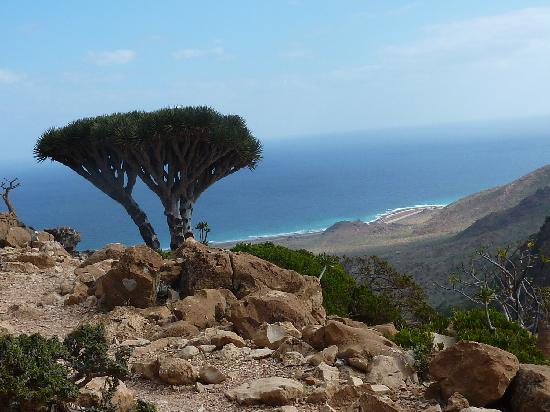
31,374
87,353
204,230
143,406
36,372
165,254
419,339
342,295
372,308
471,325
134,128
400,289
336,283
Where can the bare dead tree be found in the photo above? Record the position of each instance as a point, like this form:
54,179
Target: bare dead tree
503,280
7,186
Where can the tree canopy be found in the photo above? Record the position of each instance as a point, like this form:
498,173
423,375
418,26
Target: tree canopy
177,152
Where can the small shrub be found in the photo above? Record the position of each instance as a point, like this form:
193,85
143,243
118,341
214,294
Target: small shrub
471,325
419,339
39,374
371,308
31,373
143,406
87,353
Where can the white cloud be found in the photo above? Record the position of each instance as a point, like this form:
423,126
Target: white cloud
106,58
10,77
186,54
502,36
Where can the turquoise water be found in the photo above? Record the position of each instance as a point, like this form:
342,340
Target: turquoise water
302,185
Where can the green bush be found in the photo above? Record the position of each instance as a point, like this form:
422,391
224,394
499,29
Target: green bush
419,339
32,376
471,325
38,373
371,308
336,283
143,406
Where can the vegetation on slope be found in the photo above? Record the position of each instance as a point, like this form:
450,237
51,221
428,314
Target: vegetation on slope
379,295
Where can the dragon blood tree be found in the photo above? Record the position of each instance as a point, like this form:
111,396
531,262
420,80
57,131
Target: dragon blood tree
176,152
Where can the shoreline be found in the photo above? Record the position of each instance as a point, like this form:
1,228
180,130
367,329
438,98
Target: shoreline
387,217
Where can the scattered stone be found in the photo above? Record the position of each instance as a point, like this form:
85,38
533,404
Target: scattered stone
530,390
135,342
379,389
91,395
388,330
369,402
293,359
326,373
40,260
293,345
478,371
205,308
17,237
211,375
18,267
175,371
207,348
189,352
180,328
456,403
272,335
388,371
261,353
223,337
146,368
109,251
327,355
349,339
271,391
360,364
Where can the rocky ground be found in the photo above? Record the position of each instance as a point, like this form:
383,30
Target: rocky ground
213,330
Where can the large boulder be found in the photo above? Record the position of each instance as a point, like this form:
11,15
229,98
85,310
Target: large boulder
67,236
205,308
109,251
40,260
530,390
17,237
271,306
351,341
271,391
92,394
7,221
203,267
175,371
133,280
478,371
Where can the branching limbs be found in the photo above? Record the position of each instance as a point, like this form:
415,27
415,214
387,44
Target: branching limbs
502,279
7,186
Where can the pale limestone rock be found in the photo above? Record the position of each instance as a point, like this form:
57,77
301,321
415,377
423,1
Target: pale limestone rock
270,391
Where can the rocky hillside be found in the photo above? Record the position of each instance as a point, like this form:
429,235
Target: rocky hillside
213,330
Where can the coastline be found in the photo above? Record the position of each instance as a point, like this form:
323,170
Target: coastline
387,217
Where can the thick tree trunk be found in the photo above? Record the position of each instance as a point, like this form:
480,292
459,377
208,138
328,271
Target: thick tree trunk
8,202
178,216
140,219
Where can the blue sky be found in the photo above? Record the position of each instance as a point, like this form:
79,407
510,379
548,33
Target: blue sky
289,67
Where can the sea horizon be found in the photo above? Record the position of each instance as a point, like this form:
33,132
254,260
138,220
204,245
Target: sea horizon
300,187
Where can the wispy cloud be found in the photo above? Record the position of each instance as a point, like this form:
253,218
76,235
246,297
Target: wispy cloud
8,76
106,58
186,54
499,36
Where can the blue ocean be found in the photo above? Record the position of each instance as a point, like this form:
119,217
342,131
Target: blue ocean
303,184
